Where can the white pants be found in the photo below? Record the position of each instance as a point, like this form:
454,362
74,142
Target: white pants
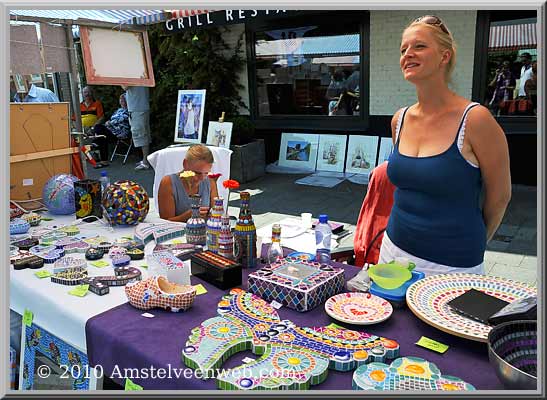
389,251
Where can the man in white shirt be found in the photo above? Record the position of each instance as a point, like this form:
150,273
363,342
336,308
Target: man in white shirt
525,72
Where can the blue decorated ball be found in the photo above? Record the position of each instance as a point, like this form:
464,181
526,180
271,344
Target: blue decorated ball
125,203
58,194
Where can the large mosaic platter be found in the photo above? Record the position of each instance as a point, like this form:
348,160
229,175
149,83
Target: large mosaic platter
358,308
428,298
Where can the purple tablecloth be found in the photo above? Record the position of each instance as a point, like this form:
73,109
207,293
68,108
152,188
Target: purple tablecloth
121,338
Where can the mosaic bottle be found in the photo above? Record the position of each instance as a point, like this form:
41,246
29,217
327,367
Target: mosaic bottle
275,251
226,239
214,224
195,226
245,235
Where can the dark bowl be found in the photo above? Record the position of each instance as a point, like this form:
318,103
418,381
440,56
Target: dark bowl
512,350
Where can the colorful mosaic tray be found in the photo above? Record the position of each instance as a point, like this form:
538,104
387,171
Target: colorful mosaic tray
428,298
290,357
160,232
358,308
405,373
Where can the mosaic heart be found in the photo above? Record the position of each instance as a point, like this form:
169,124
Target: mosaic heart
49,253
67,263
50,238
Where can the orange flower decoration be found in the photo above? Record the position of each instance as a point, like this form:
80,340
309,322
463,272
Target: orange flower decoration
230,184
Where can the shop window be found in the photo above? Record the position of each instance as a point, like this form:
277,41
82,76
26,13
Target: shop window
512,66
308,69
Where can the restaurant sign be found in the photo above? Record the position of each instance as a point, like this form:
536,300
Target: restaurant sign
224,17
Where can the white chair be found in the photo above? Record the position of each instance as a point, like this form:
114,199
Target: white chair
124,142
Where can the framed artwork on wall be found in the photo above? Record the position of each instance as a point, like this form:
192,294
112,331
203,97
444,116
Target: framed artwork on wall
332,153
190,108
386,147
298,150
20,83
219,134
362,152
101,46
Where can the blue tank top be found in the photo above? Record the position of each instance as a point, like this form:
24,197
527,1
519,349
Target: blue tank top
436,213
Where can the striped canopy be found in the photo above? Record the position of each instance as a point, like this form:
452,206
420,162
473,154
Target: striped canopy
512,37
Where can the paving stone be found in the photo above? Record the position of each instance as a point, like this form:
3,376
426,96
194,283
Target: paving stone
514,273
529,262
503,258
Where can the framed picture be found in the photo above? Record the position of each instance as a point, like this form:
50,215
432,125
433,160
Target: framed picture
298,150
362,152
190,107
219,134
102,45
36,78
332,153
20,83
386,147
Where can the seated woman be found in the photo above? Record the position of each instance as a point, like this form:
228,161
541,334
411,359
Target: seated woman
117,127
174,191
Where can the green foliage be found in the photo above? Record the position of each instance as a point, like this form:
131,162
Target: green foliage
244,128
193,59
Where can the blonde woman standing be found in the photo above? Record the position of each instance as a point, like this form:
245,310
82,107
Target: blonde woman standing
175,191
446,149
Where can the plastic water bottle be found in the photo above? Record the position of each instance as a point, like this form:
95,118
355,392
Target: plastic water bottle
105,181
323,234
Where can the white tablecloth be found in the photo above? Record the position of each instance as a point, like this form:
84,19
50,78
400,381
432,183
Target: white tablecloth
55,310
169,160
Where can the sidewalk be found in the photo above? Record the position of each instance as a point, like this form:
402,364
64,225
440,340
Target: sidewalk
512,253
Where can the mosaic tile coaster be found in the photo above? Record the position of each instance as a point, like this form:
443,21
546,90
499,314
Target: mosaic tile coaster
428,298
49,253
291,357
405,373
358,308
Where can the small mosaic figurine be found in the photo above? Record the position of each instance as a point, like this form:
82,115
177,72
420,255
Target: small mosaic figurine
214,225
245,235
195,226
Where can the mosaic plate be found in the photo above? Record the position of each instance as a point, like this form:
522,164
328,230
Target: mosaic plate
358,308
428,298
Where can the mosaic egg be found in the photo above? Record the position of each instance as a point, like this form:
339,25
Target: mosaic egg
126,203
58,194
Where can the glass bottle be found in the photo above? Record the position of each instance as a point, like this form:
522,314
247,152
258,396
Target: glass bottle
275,251
245,235
195,226
226,238
214,225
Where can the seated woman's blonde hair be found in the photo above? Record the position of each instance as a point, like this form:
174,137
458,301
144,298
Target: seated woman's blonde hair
200,152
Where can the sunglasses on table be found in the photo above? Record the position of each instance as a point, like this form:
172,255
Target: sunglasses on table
432,20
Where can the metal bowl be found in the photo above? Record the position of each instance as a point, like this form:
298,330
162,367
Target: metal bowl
512,350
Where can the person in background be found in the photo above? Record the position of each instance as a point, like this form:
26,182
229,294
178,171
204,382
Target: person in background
35,94
117,127
139,118
504,84
175,191
525,72
446,149
91,109
530,88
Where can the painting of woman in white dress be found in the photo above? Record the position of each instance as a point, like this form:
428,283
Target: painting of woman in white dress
190,115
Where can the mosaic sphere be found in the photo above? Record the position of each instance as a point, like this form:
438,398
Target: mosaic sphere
125,203
58,194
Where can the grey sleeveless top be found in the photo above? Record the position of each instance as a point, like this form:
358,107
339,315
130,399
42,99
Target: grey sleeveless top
182,201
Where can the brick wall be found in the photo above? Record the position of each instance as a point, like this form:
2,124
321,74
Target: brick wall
388,90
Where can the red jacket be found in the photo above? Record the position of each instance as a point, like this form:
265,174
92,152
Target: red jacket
373,217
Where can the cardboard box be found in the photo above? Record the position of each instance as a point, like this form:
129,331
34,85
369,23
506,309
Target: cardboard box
39,147
297,284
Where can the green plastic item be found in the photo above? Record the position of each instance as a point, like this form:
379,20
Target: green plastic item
389,276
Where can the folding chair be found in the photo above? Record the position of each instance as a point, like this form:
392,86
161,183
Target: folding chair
126,142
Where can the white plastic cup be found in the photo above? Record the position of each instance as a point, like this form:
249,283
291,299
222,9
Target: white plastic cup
306,220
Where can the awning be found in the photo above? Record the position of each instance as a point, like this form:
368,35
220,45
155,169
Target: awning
512,37
136,17
317,46
187,13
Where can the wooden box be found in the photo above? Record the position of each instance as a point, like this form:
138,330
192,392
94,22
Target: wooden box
39,147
